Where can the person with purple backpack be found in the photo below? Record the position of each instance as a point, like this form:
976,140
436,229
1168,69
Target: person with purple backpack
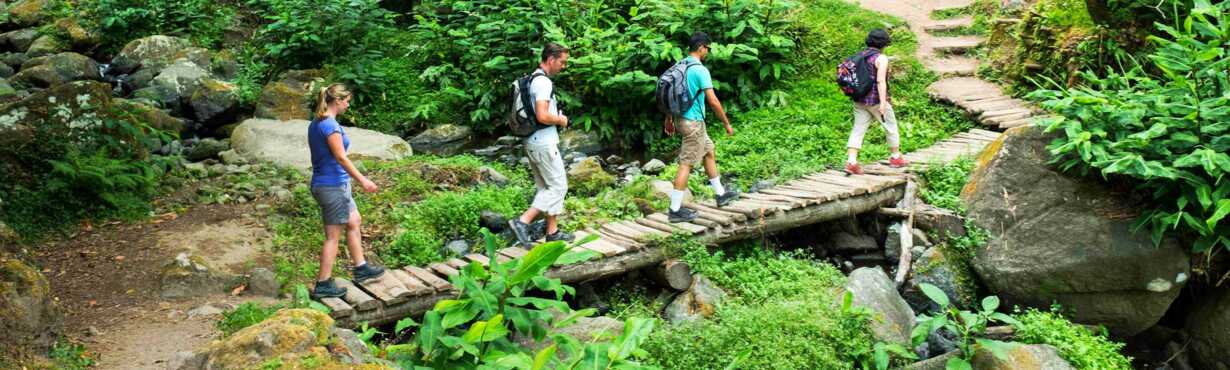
874,105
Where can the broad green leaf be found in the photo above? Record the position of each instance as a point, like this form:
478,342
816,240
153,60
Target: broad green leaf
990,304
404,324
430,330
486,331
537,260
543,357
1223,208
957,363
935,294
998,348
635,331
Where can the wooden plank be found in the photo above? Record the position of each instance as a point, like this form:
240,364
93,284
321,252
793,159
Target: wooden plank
686,226
626,232
481,259
435,282
751,213
666,225
658,226
769,206
732,215
411,283
793,202
853,187
457,263
387,293
810,197
514,252
337,307
443,269
831,191
604,247
648,232
356,297
620,241
877,183
700,220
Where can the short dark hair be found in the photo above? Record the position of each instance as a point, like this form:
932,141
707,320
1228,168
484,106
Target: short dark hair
553,50
878,38
698,39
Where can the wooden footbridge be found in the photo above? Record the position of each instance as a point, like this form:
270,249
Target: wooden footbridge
627,245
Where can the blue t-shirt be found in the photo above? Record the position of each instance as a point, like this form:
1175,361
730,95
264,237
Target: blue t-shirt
698,79
325,169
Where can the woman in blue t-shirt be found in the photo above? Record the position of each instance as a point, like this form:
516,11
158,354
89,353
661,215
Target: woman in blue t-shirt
331,175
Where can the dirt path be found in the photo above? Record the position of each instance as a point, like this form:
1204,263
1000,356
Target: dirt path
930,47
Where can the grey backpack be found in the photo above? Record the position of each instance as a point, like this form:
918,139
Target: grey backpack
522,120
673,94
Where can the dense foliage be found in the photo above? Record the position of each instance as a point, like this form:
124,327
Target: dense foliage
1167,130
119,21
944,183
1084,349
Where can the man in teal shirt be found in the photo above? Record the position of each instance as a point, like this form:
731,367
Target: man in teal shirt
697,147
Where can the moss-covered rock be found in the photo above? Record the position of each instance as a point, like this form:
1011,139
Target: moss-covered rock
1209,327
26,13
214,103
152,52
19,40
78,37
46,45
191,276
442,140
290,97
291,338
155,117
29,316
51,70
588,177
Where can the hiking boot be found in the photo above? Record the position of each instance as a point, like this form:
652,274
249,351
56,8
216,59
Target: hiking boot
727,197
898,162
366,272
327,289
560,235
854,169
521,230
682,215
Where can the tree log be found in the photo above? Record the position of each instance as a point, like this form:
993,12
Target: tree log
672,273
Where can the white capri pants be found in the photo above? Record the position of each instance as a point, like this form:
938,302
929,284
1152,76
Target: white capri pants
550,178
863,115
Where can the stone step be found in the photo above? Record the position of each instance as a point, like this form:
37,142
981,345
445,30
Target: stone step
949,9
956,45
949,24
955,89
954,66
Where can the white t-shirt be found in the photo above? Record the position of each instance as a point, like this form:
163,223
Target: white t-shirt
540,89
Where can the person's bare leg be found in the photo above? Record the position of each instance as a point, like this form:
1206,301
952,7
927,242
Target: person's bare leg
354,238
328,251
852,155
681,177
552,224
530,215
711,167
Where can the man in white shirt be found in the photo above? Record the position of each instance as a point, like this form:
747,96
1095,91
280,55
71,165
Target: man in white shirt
542,148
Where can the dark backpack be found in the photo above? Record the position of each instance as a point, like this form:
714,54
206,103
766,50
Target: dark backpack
522,120
854,75
673,94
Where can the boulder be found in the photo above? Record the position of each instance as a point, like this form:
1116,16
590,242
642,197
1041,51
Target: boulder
63,105
872,289
488,175
200,56
29,315
580,141
174,84
588,177
205,149
1208,325
28,13
78,37
442,140
19,40
14,60
51,70
45,45
1058,238
662,190
262,281
190,276
700,301
456,248
290,97
1022,357
155,117
224,65
151,52
6,71
654,166
936,269
291,337
285,143
214,103
7,92
850,243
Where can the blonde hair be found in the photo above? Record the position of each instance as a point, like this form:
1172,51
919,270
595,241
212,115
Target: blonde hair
328,95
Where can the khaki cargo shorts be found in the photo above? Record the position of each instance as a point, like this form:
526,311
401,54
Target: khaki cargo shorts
696,142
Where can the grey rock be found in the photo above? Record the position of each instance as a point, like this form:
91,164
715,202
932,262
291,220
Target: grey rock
6,71
262,281
443,140
151,53
456,248
20,40
575,140
760,185
187,360
214,103
508,140
178,82
934,268
51,70
654,166
872,289
490,151
662,189
206,310
205,149
14,60
491,176
284,143
492,221
230,156
1208,325
356,352
614,160
190,276
524,161
847,243
196,169
45,45
1022,357
1054,241
700,301
30,317
892,242
289,97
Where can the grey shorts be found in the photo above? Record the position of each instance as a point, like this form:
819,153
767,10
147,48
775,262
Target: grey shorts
335,202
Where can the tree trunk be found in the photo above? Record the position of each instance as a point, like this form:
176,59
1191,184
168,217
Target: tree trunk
672,273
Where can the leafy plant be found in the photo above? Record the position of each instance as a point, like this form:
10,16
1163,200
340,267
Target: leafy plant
944,183
245,315
966,325
1081,347
119,21
1167,132
69,355
305,34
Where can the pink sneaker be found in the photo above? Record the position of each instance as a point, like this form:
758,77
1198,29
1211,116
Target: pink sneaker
854,169
898,162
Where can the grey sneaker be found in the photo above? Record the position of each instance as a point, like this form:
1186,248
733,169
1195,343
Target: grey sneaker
521,230
366,272
682,215
727,197
327,289
560,235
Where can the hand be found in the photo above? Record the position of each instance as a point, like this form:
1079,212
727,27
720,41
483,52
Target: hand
730,131
368,185
565,121
668,126
883,108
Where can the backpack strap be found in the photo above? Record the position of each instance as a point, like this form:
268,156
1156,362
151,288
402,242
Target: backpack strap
688,65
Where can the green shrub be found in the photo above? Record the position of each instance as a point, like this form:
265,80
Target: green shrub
620,203
1166,132
1085,350
68,355
306,34
441,217
477,47
119,21
944,183
245,315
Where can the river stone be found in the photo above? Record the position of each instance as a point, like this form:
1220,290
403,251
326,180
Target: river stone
934,268
442,140
205,149
292,96
14,60
1058,238
579,141
589,175
214,103
51,70
79,38
456,248
654,166
700,301
7,92
872,289
850,243
1208,325
662,190
27,13
262,281
151,52
45,45
285,143
1022,357
190,276
19,40
155,117
29,315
